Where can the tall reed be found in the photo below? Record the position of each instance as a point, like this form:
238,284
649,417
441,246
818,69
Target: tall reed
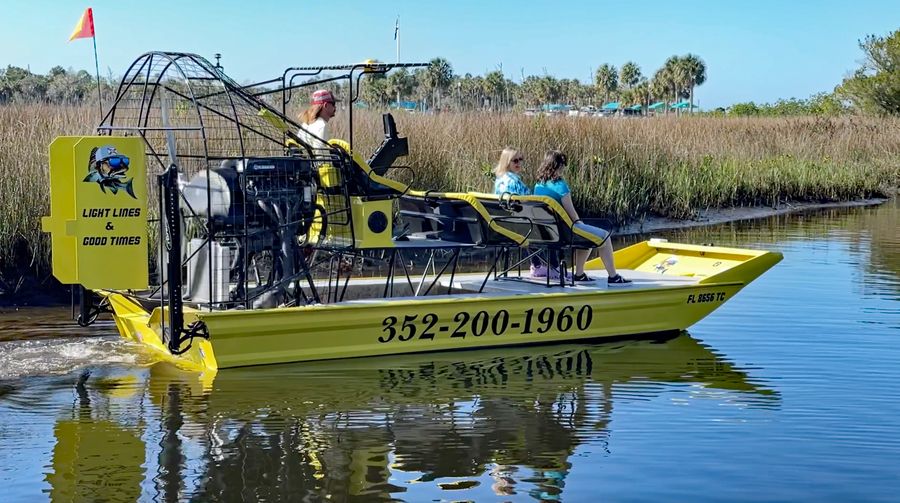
619,168
632,168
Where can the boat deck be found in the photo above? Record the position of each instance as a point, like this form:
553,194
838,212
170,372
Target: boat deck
468,284
526,284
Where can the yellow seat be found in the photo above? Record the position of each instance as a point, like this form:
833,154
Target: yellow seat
541,218
423,209
368,180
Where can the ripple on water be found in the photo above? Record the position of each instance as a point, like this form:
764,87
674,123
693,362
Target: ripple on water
25,358
47,323
790,387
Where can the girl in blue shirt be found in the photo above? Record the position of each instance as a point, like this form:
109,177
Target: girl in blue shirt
507,180
551,184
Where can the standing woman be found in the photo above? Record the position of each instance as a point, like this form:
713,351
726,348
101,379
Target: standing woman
314,120
507,180
550,183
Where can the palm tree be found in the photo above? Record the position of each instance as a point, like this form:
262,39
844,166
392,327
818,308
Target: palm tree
606,79
675,75
678,76
629,75
530,90
661,85
696,70
438,76
641,93
548,89
477,92
512,90
401,83
375,89
573,92
420,90
495,87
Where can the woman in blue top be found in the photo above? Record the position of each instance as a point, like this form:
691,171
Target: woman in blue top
550,183
506,173
507,180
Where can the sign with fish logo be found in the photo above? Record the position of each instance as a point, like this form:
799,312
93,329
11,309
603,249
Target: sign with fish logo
108,168
98,211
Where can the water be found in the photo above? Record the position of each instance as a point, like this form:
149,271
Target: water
789,392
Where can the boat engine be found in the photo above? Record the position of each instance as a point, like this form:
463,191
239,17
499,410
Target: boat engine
253,210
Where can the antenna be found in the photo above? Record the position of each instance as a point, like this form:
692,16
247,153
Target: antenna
218,56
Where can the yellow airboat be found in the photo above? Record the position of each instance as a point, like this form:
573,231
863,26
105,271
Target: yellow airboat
218,238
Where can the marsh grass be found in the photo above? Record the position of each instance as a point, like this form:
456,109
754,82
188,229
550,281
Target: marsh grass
632,168
623,169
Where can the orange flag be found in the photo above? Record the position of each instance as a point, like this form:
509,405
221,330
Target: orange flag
85,26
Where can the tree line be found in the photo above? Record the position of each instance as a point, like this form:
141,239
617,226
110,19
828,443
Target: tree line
436,86
57,86
873,89
817,104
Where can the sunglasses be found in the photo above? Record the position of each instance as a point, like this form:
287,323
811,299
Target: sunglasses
115,162
518,159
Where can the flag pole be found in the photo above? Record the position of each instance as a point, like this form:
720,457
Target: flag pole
97,67
85,29
397,40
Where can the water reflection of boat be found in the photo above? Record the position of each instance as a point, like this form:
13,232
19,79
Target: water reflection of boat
362,427
346,383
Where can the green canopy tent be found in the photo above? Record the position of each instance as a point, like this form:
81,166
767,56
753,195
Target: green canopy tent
406,105
657,105
635,107
682,105
554,107
613,105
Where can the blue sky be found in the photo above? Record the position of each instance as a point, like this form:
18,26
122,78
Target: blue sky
760,50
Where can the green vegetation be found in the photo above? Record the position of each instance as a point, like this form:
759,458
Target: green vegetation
818,149
818,104
19,85
435,86
623,169
634,169
875,87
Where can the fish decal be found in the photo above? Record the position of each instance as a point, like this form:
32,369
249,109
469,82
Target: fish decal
107,167
664,266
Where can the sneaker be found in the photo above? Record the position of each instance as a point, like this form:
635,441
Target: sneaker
539,271
583,277
617,280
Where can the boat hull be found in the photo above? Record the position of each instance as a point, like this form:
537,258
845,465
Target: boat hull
699,280
332,331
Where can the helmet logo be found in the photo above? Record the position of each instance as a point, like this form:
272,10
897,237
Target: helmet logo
107,167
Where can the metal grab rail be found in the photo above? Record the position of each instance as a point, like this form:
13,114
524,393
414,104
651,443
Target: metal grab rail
370,182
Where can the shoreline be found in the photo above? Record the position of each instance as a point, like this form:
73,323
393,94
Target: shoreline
726,215
42,295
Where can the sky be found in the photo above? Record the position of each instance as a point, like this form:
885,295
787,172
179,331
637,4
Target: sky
759,50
